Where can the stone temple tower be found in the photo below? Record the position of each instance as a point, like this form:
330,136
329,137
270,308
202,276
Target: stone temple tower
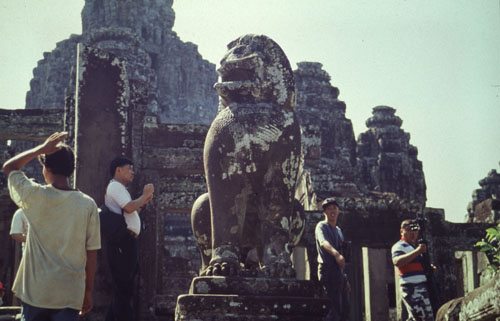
387,162
180,81
328,141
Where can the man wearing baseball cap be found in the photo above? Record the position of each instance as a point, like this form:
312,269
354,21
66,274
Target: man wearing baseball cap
331,261
407,257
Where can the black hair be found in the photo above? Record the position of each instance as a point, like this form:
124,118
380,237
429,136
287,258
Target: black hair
119,162
61,162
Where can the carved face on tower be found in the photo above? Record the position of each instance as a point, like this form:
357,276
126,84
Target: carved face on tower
255,69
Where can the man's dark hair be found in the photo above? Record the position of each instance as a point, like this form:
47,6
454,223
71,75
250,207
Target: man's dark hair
61,162
119,162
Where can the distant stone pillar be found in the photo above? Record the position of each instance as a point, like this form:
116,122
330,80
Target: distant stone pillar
355,277
470,277
101,132
301,263
101,118
376,298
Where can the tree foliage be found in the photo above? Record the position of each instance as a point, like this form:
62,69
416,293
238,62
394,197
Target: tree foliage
490,245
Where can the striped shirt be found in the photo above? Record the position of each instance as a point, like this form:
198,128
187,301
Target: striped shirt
412,272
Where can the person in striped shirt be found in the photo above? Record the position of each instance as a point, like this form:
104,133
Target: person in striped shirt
407,257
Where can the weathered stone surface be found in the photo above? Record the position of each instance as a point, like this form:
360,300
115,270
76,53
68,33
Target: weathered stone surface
254,286
29,125
387,162
102,110
328,140
246,308
180,159
487,211
482,304
246,298
485,205
141,32
51,77
168,79
104,117
444,239
176,136
252,158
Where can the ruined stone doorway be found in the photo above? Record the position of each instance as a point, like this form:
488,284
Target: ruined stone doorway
379,285
466,263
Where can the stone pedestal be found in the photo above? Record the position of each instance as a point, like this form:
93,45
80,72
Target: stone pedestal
245,298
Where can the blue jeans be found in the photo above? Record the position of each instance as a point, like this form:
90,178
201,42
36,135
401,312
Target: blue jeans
31,313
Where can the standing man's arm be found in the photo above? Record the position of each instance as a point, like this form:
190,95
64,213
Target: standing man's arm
147,195
18,237
339,258
48,147
404,259
90,268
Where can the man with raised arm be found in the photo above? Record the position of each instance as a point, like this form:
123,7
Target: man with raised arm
407,257
123,253
55,278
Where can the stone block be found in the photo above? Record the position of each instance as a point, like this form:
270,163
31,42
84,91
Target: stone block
254,286
175,159
226,298
249,308
488,211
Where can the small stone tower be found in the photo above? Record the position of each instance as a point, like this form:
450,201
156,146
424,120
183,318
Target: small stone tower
387,162
328,141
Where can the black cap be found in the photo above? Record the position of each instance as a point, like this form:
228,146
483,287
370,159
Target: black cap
329,201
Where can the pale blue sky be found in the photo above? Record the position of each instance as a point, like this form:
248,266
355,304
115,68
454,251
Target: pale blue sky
436,62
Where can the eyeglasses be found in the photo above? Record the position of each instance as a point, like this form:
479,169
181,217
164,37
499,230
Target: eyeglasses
412,228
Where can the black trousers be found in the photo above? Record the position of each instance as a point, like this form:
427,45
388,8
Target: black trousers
123,262
334,283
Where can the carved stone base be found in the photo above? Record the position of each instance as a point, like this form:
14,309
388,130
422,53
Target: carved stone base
242,299
481,304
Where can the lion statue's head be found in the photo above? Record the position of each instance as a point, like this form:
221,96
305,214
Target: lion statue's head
255,69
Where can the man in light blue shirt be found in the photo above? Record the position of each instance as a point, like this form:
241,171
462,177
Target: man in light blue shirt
331,261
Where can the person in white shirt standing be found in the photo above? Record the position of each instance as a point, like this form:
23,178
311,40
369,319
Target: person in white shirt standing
19,227
123,254
18,232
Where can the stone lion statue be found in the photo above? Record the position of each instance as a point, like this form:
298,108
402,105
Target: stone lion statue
252,157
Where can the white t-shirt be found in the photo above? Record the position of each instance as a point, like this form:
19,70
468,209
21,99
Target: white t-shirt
19,223
116,198
63,226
